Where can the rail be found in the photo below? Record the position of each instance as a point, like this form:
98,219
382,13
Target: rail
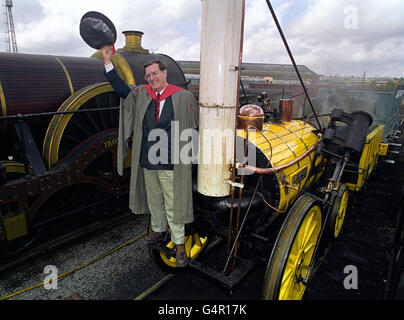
96,227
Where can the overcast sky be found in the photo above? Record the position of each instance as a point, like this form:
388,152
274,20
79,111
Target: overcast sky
344,37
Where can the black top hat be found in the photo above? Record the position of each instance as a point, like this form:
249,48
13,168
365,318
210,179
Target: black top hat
97,30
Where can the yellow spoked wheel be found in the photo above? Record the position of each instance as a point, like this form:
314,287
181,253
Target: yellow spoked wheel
194,245
293,251
67,131
338,211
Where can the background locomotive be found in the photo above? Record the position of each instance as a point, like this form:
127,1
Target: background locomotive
58,128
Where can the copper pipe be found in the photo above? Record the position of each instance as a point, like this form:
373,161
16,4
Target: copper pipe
268,171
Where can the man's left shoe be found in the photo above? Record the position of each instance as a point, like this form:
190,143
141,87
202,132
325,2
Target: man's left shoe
154,237
181,259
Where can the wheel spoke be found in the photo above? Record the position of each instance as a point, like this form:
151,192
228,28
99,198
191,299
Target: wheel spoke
197,240
313,228
309,247
79,127
288,279
100,104
188,245
92,121
304,231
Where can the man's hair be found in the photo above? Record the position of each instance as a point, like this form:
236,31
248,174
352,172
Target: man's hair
161,64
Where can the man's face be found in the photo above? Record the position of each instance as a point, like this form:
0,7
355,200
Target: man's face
156,78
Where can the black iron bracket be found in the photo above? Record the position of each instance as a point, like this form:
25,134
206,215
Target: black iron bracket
31,154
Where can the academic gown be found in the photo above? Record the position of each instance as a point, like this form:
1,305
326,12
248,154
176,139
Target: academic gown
132,111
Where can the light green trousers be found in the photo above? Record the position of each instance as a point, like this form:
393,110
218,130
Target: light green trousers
160,199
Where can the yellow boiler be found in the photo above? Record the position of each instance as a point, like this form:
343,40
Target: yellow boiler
289,146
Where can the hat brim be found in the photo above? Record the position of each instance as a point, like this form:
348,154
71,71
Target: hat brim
97,30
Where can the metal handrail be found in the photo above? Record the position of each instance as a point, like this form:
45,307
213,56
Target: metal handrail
44,114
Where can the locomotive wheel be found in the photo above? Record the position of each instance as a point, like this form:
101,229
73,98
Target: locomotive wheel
68,130
293,251
194,245
338,211
75,206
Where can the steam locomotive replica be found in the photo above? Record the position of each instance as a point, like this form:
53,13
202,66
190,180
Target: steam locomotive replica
290,206
58,127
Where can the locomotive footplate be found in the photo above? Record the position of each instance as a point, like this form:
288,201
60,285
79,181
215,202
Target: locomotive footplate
228,280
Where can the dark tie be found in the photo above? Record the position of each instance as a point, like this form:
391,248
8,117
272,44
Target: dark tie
157,109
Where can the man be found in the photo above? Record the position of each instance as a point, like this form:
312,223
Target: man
167,184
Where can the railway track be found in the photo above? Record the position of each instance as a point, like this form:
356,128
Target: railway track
356,266
48,244
111,264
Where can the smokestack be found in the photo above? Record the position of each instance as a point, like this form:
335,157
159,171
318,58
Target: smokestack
134,41
221,43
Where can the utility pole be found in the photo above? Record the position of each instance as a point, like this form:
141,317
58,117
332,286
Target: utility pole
363,79
11,38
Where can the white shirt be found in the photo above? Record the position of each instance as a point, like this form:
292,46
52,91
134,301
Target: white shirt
110,66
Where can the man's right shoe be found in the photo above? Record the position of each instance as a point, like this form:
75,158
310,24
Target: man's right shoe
181,259
154,237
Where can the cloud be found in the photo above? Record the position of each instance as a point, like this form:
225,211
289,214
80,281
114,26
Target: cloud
262,42
349,37
171,27
56,29
330,37
26,11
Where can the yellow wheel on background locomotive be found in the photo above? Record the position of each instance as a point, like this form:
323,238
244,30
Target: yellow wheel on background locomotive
293,251
338,211
194,245
66,131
